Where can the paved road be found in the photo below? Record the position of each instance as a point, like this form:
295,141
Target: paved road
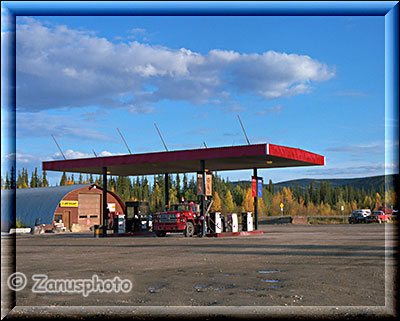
289,265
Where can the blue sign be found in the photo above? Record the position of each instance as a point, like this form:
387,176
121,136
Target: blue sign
259,186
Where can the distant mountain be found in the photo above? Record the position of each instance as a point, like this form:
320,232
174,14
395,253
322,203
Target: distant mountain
368,183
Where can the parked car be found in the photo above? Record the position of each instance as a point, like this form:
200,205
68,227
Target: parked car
359,216
379,216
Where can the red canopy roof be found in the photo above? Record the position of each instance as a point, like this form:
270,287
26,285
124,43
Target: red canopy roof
184,161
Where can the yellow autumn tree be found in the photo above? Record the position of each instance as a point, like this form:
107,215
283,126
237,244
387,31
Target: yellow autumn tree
217,204
302,211
173,195
367,203
276,201
290,204
324,209
248,201
310,209
261,207
228,202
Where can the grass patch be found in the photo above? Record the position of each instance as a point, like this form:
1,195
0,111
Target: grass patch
18,223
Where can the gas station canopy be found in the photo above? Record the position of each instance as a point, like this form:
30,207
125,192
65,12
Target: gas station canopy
186,161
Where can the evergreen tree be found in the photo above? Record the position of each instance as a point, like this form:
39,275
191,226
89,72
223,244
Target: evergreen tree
45,183
238,195
7,186
20,180
317,199
80,179
146,189
346,194
351,194
271,187
185,184
26,178
307,197
382,190
178,187
297,192
63,180
169,181
37,179
156,201
311,192
33,180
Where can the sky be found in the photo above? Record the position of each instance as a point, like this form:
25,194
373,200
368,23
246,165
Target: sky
315,83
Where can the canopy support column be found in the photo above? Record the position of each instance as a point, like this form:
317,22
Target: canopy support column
256,201
105,208
202,198
166,191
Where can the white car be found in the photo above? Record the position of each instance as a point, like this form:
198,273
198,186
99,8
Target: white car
359,216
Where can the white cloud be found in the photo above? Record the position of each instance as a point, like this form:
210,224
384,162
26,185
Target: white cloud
137,30
22,158
30,160
275,110
58,66
72,154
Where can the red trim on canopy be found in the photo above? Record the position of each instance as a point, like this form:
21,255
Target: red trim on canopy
295,153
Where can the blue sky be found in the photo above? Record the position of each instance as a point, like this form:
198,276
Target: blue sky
315,83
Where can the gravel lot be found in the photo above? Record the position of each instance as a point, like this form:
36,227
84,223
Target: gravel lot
337,266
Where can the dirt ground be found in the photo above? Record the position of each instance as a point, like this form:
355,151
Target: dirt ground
289,265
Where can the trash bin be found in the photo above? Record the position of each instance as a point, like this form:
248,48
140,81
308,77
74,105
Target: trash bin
98,231
247,221
233,225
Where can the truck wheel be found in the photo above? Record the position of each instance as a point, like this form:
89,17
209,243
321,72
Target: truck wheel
189,231
161,234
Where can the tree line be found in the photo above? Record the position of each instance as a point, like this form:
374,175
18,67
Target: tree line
317,199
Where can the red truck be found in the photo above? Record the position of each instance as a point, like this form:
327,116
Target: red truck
184,217
379,216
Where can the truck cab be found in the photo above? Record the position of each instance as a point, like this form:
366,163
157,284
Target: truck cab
180,218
